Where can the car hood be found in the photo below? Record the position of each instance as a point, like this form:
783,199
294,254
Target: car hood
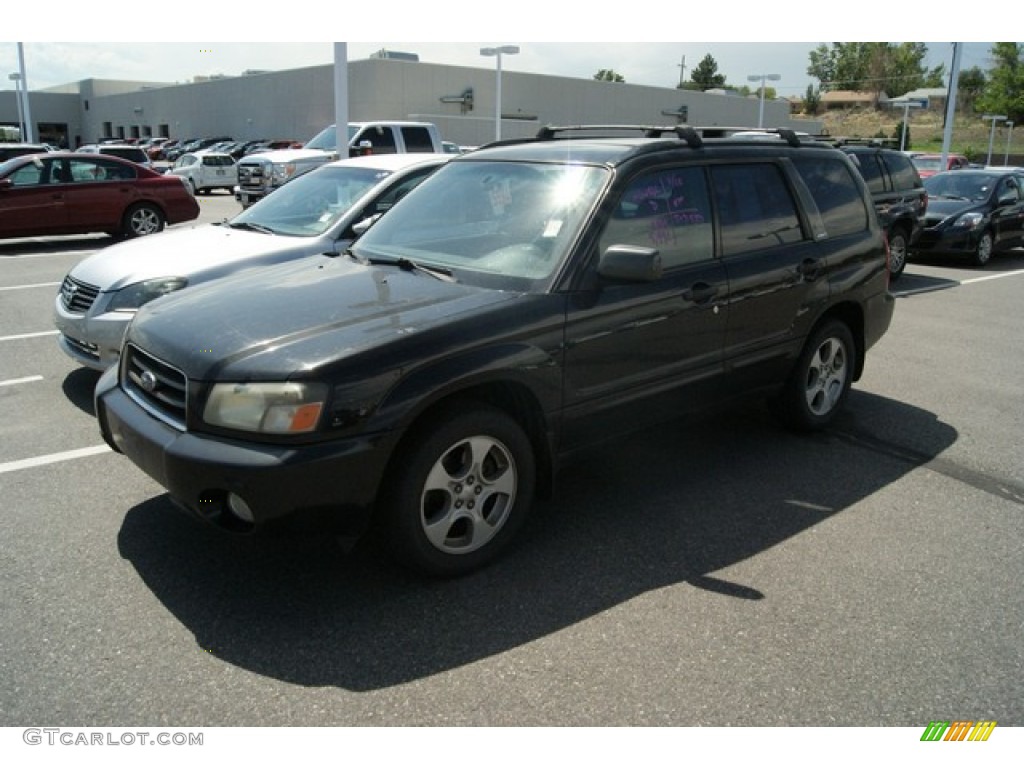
943,208
288,156
198,253
295,319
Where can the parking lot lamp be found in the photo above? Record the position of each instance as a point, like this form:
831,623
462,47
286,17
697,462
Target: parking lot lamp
907,105
497,52
762,78
17,97
1009,133
992,134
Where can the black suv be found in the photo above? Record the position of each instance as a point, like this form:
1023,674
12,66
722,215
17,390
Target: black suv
525,301
899,196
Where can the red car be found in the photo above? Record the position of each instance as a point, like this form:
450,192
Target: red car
69,193
929,165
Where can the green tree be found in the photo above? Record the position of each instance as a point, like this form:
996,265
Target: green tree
1004,91
609,75
970,85
890,68
705,74
812,100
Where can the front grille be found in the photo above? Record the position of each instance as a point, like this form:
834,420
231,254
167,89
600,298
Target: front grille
77,296
250,175
158,387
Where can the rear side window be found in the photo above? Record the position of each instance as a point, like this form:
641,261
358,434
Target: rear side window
668,210
904,175
755,208
417,139
836,193
871,170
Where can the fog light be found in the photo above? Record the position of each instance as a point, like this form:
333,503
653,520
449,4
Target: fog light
240,509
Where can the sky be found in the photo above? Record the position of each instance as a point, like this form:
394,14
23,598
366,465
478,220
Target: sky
573,47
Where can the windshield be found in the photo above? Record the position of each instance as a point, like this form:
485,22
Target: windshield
499,224
960,184
326,140
312,203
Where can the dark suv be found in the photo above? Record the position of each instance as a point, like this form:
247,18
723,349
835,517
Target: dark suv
525,301
899,196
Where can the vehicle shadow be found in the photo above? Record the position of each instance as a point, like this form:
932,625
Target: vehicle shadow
30,246
667,507
79,386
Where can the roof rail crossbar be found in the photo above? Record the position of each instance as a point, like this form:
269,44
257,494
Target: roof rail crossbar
648,131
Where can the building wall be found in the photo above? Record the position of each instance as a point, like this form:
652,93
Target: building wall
298,103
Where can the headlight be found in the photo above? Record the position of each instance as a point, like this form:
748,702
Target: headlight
131,297
286,408
969,220
283,171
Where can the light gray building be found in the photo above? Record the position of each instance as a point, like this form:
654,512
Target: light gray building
298,103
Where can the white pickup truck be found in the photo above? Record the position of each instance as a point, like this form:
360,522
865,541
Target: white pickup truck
262,173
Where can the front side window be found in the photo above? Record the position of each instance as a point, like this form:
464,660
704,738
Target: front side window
836,193
668,210
755,208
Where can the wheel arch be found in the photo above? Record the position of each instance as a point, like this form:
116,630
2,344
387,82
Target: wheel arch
852,315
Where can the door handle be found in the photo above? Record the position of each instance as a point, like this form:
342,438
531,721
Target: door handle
809,269
700,293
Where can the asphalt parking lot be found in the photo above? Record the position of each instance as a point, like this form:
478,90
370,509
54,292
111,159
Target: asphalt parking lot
721,572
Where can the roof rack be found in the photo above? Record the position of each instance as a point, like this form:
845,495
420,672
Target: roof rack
693,135
860,141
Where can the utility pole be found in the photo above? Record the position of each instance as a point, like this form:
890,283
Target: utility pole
682,72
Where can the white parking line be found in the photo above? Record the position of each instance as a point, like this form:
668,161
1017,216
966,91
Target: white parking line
33,285
992,277
23,380
28,335
53,458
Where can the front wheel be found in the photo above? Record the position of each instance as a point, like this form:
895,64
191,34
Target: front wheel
459,489
142,219
983,251
820,382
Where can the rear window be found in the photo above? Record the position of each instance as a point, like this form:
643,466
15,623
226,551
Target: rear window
218,160
836,193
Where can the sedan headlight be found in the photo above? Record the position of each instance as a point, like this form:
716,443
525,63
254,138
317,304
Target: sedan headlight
131,297
285,408
969,220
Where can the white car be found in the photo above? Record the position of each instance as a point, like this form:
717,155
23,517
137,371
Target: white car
206,171
312,214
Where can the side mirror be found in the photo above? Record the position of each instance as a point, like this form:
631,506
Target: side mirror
630,263
1006,200
5,184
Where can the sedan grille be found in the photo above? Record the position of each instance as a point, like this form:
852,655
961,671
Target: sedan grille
77,296
156,386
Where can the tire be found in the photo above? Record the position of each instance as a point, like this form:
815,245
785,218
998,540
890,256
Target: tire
983,250
898,247
819,384
142,219
459,489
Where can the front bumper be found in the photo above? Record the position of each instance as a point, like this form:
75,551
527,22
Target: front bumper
952,240
325,485
92,341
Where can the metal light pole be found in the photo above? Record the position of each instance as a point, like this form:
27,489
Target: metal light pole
497,52
29,134
1009,133
762,78
907,106
992,134
17,97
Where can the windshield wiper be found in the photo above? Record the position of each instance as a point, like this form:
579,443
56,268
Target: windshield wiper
250,225
408,265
